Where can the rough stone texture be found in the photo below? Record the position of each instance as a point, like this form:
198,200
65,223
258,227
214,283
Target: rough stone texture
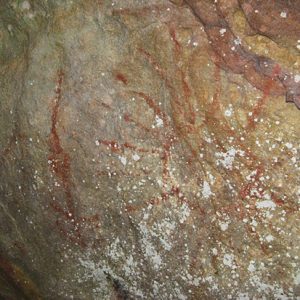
147,149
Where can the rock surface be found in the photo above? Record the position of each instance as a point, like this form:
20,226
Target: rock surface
147,150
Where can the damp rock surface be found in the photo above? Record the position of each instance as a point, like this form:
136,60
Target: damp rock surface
149,149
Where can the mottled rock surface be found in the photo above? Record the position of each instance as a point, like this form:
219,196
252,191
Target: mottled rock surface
148,149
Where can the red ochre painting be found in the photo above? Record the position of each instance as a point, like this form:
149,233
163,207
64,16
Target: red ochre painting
149,149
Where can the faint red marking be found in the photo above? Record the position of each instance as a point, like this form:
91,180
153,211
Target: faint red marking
174,39
246,190
155,64
215,106
266,93
58,158
129,119
164,196
121,77
152,105
238,207
189,113
116,147
60,165
182,108
279,202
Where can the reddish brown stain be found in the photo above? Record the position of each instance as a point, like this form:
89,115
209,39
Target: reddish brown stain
182,112
71,225
245,191
152,105
188,113
266,93
278,201
58,158
129,119
114,146
121,77
174,39
21,283
253,67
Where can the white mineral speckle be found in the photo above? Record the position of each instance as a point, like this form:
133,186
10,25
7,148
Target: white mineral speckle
206,191
123,160
228,112
159,121
227,158
237,41
251,267
148,247
228,260
266,204
222,31
185,212
283,14
215,251
269,238
224,225
297,77
136,157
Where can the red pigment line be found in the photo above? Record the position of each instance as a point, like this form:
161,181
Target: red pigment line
121,77
245,191
190,115
60,166
73,237
165,164
138,149
59,159
62,212
152,105
113,145
154,63
216,97
174,39
116,147
162,73
129,119
266,93
278,202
